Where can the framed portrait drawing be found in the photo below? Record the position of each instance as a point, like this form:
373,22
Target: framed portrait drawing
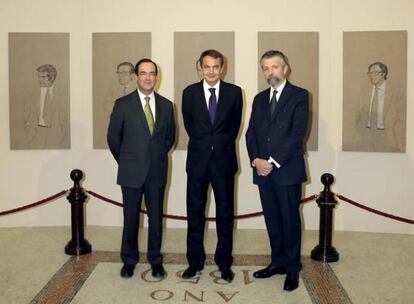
114,56
39,91
374,91
302,50
188,47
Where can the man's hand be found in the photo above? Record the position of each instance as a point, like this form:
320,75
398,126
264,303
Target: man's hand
263,167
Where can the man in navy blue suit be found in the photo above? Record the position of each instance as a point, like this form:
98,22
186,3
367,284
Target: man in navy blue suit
274,141
212,112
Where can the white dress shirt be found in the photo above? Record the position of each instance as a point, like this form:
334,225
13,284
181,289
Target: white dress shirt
207,93
380,106
151,102
279,90
44,92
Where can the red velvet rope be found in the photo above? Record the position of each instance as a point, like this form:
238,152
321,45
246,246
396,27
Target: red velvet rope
180,217
394,217
43,201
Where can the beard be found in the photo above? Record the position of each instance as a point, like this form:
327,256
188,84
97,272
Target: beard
274,81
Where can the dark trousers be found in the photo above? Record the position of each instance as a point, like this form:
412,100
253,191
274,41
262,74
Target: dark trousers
132,198
281,212
223,188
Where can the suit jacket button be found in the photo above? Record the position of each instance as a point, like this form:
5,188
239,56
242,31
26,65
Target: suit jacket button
212,148
268,139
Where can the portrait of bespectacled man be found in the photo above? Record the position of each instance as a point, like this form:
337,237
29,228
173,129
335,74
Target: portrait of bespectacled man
374,108
114,56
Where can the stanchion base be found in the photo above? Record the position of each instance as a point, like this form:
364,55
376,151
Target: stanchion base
324,254
78,248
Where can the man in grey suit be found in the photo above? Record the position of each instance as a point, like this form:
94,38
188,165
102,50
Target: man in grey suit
141,132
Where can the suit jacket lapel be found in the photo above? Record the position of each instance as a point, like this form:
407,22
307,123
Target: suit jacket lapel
283,99
202,102
221,104
140,111
158,112
266,107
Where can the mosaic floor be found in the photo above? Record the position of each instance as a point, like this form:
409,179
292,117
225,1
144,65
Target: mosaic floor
79,278
374,268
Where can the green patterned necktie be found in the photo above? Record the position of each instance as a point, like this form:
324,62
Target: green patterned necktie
148,115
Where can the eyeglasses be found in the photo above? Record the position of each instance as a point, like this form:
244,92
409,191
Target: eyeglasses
124,73
374,72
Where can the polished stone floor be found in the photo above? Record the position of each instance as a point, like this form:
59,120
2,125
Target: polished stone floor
373,268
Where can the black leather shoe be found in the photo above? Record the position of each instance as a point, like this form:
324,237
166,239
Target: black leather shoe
158,271
269,271
291,281
191,272
227,274
127,271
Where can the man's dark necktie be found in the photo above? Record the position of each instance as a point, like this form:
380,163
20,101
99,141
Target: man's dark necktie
212,104
273,103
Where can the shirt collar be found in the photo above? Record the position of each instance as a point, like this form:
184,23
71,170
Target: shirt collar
280,88
47,88
206,86
142,96
381,87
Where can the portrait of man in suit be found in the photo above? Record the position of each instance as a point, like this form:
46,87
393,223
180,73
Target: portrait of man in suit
45,114
126,84
275,139
39,91
113,61
379,117
211,110
125,72
199,70
141,132
374,91
187,49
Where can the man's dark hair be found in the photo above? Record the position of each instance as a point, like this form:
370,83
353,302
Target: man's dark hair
50,69
383,67
273,53
143,61
128,64
212,53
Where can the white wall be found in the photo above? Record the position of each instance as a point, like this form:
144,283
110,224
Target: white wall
380,180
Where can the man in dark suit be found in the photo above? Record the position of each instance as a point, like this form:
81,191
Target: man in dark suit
274,141
212,112
141,132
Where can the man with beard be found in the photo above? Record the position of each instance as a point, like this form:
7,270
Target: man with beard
274,141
